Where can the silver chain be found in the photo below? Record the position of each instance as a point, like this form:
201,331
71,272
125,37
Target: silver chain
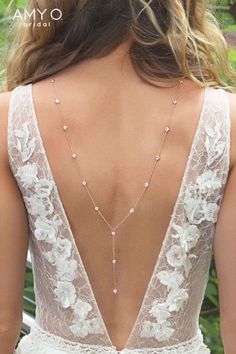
84,183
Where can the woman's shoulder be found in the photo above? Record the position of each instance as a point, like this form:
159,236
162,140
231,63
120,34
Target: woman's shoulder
5,102
4,108
230,107
4,99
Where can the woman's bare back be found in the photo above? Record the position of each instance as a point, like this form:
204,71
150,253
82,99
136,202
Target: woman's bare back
116,124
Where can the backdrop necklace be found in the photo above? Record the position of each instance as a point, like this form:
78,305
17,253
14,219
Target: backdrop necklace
114,229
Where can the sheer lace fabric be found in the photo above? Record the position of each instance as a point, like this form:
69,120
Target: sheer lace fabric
68,319
45,343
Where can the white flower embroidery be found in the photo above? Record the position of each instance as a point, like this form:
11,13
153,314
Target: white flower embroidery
188,235
176,256
199,210
47,223
172,279
66,270
60,252
81,325
86,327
147,329
211,211
197,207
65,292
208,182
160,331
81,309
44,187
160,311
176,299
95,326
80,328
194,210
25,145
38,206
47,229
27,174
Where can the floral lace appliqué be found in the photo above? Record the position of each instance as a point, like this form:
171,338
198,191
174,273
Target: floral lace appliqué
196,204
39,204
199,207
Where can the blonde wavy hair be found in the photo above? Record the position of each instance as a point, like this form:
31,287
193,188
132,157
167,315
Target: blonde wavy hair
170,39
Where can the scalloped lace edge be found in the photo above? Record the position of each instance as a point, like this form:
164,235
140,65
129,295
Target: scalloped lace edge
38,337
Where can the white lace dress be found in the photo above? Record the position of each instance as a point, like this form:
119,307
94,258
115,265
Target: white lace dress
68,319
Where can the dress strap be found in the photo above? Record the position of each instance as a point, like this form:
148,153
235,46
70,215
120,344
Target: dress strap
20,142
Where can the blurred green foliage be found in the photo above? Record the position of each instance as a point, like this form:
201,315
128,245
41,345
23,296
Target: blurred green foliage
29,293
7,8
209,320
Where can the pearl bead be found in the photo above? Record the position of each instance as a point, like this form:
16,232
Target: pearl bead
57,101
167,129
96,208
181,82
52,81
84,183
146,184
175,102
114,261
157,158
115,291
65,127
131,211
74,156
113,233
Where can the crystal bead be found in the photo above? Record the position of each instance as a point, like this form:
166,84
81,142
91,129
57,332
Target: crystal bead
84,183
57,101
131,210
115,291
114,261
96,208
167,129
113,233
146,184
157,158
181,82
65,127
74,156
52,81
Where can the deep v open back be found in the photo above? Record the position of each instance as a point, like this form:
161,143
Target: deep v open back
68,319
